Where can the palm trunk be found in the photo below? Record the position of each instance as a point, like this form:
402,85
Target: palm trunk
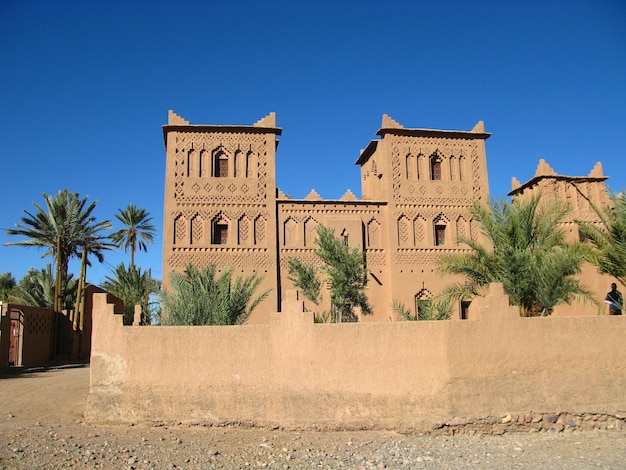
80,306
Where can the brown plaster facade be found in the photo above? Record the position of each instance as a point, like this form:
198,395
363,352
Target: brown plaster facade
222,207
294,373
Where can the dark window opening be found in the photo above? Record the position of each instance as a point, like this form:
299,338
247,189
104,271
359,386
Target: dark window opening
435,168
582,237
223,168
465,309
440,234
220,234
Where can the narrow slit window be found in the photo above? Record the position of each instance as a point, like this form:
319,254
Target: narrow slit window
435,168
440,235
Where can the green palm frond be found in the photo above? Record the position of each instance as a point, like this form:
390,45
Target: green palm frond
200,297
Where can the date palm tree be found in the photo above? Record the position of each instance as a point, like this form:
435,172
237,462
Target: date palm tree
609,239
37,288
61,228
137,233
134,287
524,248
200,297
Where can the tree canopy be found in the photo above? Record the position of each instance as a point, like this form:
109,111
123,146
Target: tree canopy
524,248
138,231
346,274
609,238
201,297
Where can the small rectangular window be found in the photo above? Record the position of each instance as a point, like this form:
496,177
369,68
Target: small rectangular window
223,168
435,169
220,234
440,234
465,309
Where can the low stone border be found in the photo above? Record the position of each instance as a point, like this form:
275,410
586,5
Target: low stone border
532,422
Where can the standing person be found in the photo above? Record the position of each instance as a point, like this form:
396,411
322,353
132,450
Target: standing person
615,300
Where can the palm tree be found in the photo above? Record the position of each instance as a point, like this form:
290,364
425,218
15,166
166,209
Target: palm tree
91,243
198,297
138,232
134,288
36,288
438,308
609,239
61,229
525,250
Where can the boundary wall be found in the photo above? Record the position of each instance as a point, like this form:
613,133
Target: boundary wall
296,374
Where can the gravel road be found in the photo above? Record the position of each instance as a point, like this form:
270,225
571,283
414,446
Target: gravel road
41,426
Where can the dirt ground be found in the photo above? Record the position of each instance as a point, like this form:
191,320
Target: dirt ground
41,426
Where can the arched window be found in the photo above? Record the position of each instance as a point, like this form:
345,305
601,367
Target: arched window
203,164
440,234
422,303
191,157
250,165
435,167
439,225
219,231
411,167
344,237
462,168
220,165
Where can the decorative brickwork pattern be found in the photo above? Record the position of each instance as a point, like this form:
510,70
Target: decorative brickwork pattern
197,230
310,231
373,234
39,323
244,230
250,258
192,166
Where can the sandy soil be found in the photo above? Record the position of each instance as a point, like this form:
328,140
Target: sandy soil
41,426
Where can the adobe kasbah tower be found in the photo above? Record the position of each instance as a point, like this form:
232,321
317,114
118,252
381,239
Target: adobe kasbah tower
222,208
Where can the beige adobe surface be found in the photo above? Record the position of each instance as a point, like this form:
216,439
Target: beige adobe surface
417,185
222,207
294,373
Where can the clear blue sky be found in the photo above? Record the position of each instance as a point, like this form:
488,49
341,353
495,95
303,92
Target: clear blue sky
86,85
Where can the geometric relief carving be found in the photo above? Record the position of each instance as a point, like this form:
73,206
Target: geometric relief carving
244,231
475,174
180,229
250,165
191,157
416,257
310,231
373,234
290,232
419,227
411,167
396,174
238,164
241,259
453,168
461,227
462,170
197,230
474,232
259,230
203,164
403,231
375,257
